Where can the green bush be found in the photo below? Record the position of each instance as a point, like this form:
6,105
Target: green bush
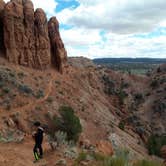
49,99
159,107
39,94
98,157
6,90
21,75
147,163
122,95
122,125
138,96
154,83
81,157
155,143
25,89
116,161
68,122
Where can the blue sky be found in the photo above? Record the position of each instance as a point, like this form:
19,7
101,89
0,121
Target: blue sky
112,28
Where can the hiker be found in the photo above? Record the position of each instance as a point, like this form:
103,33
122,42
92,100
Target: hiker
38,137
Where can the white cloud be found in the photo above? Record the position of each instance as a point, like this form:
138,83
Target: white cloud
117,16
120,20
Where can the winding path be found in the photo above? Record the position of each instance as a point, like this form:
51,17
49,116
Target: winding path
32,104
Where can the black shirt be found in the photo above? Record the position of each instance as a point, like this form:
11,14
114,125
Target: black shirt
39,135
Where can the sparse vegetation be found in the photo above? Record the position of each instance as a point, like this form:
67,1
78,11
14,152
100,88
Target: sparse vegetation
39,94
21,75
122,125
155,143
109,88
154,83
25,89
147,163
139,98
6,90
49,99
159,107
68,122
122,95
81,157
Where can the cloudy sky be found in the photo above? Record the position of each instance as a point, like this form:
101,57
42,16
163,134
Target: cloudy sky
111,28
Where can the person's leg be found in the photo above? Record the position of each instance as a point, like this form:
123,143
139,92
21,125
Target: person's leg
35,152
40,150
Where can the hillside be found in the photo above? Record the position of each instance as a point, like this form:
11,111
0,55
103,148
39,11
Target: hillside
130,65
116,112
28,95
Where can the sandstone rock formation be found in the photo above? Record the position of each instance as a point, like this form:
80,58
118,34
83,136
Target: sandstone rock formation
25,38
58,52
2,5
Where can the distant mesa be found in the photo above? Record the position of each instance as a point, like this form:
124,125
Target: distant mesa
27,38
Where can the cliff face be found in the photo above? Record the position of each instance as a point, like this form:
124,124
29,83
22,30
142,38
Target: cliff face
26,37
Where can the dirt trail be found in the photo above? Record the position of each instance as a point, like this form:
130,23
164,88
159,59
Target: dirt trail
21,154
32,104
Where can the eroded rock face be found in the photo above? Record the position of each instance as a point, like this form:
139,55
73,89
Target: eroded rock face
43,58
58,52
2,5
25,36
14,31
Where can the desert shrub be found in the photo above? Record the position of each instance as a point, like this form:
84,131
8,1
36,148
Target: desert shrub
57,82
38,108
121,125
56,139
6,90
11,74
154,83
155,143
60,137
147,163
98,156
49,99
1,84
25,89
116,161
122,95
163,80
109,88
39,94
121,158
81,157
159,107
159,70
138,96
68,122
8,107
124,85
21,75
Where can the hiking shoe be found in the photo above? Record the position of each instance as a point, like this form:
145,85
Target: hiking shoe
35,161
40,157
